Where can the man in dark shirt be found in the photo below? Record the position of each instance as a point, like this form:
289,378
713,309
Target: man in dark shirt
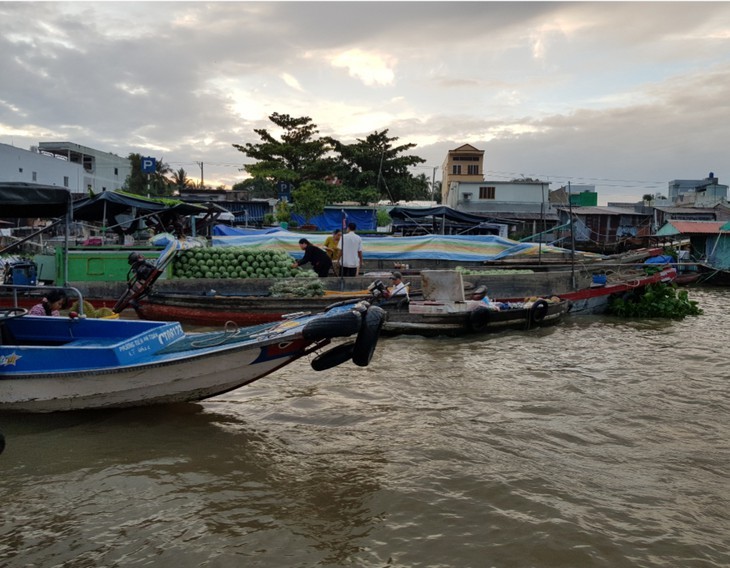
321,262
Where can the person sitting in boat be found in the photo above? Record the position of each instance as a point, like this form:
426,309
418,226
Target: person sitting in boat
480,295
50,305
321,262
398,288
141,268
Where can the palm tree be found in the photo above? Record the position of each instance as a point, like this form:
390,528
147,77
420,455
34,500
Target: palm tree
181,180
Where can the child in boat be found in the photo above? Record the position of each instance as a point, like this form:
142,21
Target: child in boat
50,305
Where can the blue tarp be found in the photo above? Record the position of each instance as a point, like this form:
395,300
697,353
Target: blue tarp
331,219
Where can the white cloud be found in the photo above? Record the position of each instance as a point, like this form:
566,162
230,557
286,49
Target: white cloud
372,68
291,81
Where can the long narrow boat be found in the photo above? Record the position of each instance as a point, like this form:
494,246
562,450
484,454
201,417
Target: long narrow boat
50,364
434,318
595,299
215,309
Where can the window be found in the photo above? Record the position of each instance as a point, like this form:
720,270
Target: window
487,192
456,169
35,176
65,181
116,171
20,170
472,170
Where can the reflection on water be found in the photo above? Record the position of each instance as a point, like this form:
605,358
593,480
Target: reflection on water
598,442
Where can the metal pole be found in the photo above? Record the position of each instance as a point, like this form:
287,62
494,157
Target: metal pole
572,239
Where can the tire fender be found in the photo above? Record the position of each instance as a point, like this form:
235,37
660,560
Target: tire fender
336,325
538,311
367,337
479,319
333,357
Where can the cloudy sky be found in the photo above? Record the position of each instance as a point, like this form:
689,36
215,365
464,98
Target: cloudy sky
624,96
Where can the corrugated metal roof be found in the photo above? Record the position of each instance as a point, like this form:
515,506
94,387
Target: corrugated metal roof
691,227
686,210
603,210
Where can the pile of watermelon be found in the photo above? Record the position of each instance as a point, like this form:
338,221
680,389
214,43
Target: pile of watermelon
232,262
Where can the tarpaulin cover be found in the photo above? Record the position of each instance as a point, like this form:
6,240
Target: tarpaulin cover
108,204
331,219
440,212
18,199
466,248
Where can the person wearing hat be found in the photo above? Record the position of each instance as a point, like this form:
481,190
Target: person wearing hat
140,266
398,288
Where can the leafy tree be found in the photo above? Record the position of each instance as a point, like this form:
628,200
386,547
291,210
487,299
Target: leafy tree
180,180
310,199
299,156
377,162
257,187
283,212
155,184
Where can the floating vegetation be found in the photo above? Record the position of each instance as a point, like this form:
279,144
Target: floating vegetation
657,301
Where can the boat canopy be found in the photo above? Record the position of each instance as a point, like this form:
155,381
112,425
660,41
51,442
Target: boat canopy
19,199
111,203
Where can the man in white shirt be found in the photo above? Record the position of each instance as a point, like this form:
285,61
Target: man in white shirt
351,245
398,288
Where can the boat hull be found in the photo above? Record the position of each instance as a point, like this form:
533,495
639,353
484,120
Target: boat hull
50,364
242,310
595,300
185,379
431,319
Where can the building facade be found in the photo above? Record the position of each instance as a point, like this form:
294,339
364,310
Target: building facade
64,164
705,192
464,164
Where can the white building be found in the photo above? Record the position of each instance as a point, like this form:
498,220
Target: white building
64,164
490,196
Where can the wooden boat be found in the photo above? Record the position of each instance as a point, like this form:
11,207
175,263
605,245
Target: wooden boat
433,318
712,276
444,311
216,309
52,364
595,299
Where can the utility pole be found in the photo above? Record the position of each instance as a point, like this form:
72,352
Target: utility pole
202,184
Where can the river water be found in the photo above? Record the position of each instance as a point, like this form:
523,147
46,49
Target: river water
595,443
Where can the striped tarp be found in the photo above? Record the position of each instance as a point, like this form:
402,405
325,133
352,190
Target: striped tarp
471,248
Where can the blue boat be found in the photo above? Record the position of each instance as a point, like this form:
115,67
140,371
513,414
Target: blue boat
50,364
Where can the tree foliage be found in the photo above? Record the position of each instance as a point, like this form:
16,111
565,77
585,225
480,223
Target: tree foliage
369,169
257,187
154,185
180,180
310,199
377,162
298,156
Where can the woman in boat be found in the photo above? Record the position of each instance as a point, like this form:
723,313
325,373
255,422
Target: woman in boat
50,305
321,262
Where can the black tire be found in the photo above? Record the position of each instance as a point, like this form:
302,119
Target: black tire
479,319
333,357
352,301
538,311
337,325
367,337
